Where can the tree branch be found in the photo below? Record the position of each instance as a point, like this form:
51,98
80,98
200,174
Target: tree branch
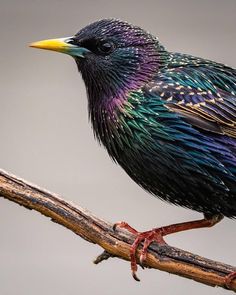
98,231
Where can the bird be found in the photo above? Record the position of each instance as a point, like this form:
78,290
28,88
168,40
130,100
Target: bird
168,119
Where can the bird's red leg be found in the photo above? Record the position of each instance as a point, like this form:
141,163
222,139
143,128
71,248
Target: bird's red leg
174,228
156,235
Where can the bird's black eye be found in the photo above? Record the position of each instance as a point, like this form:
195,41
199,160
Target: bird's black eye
106,47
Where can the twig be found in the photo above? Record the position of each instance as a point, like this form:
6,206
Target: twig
104,256
98,231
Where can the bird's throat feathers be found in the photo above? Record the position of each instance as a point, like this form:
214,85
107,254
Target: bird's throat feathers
109,88
109,91
135,57
110,121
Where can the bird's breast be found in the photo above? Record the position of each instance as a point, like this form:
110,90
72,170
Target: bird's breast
162,153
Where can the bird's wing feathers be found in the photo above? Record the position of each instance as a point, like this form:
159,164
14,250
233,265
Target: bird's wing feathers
202,92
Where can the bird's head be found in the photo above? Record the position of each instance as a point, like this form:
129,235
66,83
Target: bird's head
113,56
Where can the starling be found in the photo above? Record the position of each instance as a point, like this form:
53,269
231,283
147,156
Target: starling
168,119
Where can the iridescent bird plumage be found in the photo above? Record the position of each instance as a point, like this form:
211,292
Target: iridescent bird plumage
168,119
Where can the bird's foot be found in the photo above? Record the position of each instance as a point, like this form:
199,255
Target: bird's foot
229,279
156,235
147,237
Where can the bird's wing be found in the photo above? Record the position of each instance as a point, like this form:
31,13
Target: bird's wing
202,92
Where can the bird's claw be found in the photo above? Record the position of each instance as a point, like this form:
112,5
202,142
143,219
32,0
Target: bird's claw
134,275
229,279
146,237
125,225
114,226
142,259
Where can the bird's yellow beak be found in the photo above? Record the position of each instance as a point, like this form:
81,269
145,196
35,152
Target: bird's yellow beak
62,45
59,45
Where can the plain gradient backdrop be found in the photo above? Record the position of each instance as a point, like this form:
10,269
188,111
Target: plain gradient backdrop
46,138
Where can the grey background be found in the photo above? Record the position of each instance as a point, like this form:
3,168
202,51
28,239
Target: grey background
46,138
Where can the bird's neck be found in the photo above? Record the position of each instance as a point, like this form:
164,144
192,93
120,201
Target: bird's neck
108,97
111,123
108,86
105,119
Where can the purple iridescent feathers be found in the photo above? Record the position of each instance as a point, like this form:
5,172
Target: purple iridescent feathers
167,118
135,60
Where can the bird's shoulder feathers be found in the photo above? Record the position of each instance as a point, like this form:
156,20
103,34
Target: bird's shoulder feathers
202,92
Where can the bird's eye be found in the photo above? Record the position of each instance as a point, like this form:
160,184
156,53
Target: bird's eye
71,41
106,47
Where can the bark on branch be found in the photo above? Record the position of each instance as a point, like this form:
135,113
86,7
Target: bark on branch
98,231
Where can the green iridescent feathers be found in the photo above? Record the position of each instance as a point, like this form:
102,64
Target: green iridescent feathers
168,119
